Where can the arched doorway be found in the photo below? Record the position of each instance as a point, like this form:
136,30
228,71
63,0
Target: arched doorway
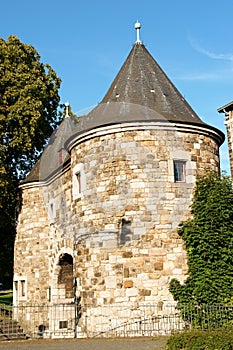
65,275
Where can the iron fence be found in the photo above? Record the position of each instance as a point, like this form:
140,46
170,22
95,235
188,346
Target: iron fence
124,320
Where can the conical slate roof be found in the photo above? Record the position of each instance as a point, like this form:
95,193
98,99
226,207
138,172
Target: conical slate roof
141,91
141,81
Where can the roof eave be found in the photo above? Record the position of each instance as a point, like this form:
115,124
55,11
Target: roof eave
226,108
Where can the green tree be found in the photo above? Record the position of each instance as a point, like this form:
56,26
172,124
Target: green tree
29,101
208,238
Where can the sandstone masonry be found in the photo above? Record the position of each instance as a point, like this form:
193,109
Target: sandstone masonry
107,216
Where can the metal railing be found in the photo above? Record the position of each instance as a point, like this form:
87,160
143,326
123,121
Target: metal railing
114,320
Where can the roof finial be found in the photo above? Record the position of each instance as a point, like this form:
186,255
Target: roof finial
67,109
137,27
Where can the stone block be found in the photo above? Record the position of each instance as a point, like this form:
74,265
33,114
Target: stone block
150,284
127,254
171,257
128,284
109,227
122,299
178,249
132,292
110,243
105,294
177,271
144,251
158,265
110,282
126,273
144,292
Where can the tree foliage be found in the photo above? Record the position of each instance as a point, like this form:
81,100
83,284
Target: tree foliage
208,238
28,105
28,114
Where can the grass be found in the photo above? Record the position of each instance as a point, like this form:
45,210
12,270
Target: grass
6,297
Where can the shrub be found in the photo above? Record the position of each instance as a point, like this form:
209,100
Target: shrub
208,238
220,339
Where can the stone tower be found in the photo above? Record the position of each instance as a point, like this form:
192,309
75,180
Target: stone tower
103,203
228,111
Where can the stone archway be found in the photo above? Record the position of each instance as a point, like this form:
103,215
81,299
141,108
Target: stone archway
65,276
62,281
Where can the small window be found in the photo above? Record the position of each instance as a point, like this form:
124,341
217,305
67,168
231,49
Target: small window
78,181
16,286
60,156
62,153
179,170
52,210
78,177
16,290
63,324
22,288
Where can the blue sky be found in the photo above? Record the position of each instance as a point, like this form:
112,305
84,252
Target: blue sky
86,42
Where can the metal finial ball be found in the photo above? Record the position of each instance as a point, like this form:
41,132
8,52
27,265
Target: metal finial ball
67,104
137,25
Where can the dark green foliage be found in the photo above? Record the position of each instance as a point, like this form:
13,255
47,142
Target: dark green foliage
28,114
208,238
220,339
28,106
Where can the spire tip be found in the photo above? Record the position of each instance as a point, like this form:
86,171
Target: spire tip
67,109
137,26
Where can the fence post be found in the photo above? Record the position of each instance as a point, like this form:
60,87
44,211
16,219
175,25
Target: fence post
75,307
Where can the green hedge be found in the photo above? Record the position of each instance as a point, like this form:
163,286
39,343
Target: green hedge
219,339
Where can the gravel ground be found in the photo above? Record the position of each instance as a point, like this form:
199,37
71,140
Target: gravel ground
87,344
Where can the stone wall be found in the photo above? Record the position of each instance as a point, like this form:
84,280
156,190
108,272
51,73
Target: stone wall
126,237
30,246
229,126
117,222
43,237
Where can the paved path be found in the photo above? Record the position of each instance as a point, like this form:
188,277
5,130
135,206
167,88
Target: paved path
87,344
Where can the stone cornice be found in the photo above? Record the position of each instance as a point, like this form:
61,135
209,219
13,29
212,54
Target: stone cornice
79,138
204,129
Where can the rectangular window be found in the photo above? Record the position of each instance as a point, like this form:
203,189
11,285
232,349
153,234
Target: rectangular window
78,177
60,156
78,181
52,209
16,290
22,288
16,286
179,170
63,324
62,153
